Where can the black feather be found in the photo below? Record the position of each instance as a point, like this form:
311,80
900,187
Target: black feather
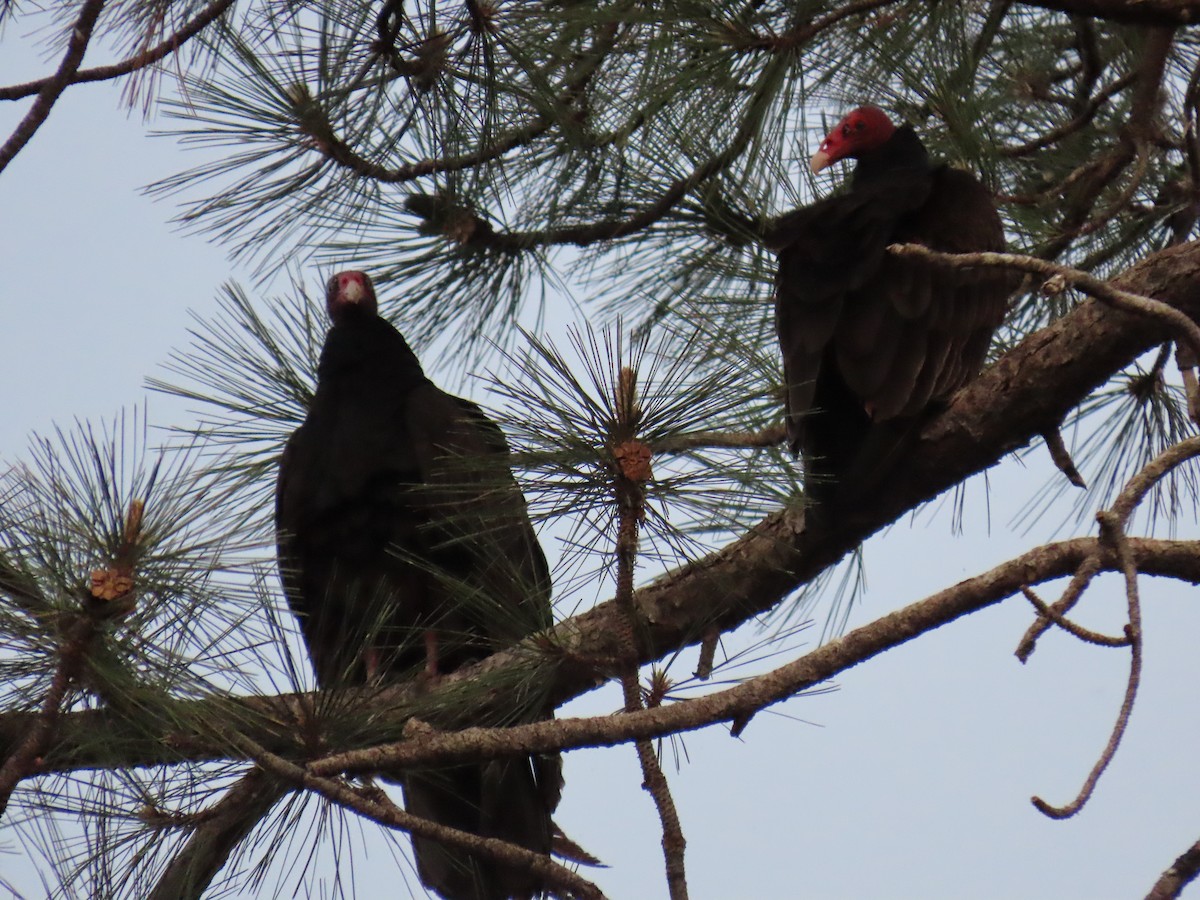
397,516
871,341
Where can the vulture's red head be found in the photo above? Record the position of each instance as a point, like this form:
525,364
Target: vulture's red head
866,128
349,293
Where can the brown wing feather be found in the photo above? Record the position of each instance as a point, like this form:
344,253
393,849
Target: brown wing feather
829,254
868,337
397,512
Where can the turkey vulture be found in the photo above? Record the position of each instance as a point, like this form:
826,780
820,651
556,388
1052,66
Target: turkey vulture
405,546
871,341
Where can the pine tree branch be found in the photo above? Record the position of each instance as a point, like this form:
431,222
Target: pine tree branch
375,805
1131,12
999,411
130,64
1182,873
317,126
51,90
127,744
479,232
218,833
1178,559
1058,277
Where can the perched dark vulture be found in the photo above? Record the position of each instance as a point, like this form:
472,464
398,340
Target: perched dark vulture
405,546
871,341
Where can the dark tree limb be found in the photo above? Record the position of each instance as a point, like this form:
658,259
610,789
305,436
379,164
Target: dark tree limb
1062,457
998,412
217,833
375,805
1132,12
131,64
51,90
1182,873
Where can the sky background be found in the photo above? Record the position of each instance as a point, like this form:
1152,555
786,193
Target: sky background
911,780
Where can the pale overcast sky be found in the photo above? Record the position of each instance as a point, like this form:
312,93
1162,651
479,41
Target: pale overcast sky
912,780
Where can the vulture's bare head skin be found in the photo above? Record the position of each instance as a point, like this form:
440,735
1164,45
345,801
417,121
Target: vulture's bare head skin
349,291
866,128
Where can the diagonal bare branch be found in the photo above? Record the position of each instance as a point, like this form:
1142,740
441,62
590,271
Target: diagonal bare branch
81,34
147,57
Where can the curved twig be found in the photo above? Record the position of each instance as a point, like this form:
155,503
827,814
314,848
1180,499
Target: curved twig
1112,534
1150,474
1084,634
1088,569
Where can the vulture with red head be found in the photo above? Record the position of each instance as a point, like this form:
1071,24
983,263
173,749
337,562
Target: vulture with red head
405,547
871,342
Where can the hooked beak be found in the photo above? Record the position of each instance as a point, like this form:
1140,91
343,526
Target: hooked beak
820,160
352,291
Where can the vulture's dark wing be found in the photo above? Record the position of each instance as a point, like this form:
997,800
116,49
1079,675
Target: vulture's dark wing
476,524
398,516
830,257
868,337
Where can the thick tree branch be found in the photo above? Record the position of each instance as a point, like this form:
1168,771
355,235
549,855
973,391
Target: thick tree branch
999,411
1182,873
217,833
1133,12
135,745
738,704
1059,277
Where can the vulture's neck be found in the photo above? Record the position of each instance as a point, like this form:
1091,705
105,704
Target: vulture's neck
903,152
371,346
